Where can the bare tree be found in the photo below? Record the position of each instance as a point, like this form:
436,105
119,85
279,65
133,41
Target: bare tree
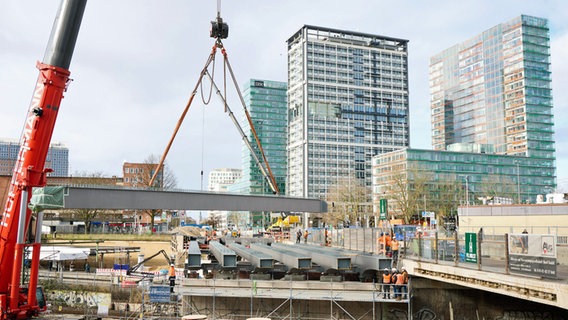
498,186
406,190
444,195
349,200
166,178
213,221
166,181
89,215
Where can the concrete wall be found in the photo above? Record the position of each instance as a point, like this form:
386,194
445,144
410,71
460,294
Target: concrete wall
431,298
240,308
475,304
499,225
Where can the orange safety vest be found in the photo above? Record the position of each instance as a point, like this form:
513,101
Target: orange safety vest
400,279
388,240
387,278
394,245
172,271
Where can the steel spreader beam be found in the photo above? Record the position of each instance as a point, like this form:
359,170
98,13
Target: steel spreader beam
114,198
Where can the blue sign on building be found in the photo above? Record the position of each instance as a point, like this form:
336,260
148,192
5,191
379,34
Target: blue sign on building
159,294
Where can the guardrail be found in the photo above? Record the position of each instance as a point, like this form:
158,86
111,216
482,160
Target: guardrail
491,252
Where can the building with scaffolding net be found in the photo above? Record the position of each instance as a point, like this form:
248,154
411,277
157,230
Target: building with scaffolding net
347,101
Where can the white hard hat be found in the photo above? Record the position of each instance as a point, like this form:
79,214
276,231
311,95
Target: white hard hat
393,269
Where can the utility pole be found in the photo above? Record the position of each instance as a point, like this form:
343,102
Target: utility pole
466,194
518,183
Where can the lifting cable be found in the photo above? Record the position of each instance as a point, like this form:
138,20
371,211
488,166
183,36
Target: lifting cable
206,101
269,176
203,138
220,31
182,117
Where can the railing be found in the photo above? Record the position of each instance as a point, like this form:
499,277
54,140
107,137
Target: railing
441,247
357,239
491,252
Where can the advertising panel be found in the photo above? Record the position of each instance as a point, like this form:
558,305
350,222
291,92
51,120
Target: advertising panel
533,254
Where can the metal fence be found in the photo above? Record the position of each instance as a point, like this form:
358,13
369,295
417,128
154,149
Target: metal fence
357,239
440,246
492,251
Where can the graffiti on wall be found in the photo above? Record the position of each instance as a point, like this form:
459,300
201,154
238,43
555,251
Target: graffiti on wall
422,314
79,298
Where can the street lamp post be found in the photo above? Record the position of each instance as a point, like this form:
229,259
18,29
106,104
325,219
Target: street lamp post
466,191
518,183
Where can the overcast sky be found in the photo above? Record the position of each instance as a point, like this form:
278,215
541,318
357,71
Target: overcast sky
136,62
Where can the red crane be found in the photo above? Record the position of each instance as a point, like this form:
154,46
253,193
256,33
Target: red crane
18,300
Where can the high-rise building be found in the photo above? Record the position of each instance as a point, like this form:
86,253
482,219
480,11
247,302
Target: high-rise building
220,180
495,89
347,102
57,158
266,102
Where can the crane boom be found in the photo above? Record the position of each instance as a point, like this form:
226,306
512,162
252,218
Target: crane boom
29,170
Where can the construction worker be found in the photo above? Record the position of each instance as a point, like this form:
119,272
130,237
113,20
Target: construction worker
398,285
382,244
394,249
388,241
404,274
386,284
172,276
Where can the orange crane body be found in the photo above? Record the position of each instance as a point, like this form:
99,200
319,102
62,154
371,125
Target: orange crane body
18,301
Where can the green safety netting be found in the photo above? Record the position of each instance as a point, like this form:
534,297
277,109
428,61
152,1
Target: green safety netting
46,198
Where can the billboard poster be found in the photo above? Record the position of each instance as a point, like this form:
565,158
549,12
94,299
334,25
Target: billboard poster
533,254
471,247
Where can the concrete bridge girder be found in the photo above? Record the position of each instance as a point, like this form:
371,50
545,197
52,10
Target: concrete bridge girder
547,292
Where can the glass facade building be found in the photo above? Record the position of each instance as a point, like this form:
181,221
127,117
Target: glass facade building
266,102
57,158
495,89
267,105
347,102
517,178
